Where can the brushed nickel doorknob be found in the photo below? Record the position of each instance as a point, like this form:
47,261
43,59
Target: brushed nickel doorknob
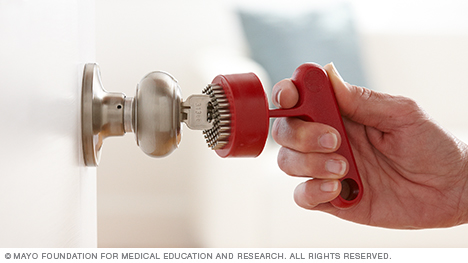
154,114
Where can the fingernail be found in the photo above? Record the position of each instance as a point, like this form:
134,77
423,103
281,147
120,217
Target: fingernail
328,140
278,96
336,72
329,186
336,166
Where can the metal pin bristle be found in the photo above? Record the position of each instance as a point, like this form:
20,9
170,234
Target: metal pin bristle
218,136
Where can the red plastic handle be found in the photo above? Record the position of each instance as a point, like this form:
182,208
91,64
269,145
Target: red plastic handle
317,103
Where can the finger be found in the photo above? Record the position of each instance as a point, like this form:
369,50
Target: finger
284,94
316,165
305,136
312,193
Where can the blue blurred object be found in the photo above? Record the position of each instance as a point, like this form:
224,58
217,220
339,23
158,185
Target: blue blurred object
281,43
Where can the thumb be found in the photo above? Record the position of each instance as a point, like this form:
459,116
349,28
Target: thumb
363,105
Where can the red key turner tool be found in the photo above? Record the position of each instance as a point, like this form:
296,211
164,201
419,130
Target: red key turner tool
242,119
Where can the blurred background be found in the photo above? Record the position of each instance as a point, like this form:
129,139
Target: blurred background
193,198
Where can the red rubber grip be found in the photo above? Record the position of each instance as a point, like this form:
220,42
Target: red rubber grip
317,102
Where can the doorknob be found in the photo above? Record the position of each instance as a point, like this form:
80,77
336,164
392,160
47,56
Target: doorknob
154,114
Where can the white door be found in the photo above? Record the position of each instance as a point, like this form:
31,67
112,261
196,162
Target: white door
47,195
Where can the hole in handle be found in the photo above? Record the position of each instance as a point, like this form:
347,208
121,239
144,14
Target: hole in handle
349,189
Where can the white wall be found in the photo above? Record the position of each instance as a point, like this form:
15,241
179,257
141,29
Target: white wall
47,195
194,198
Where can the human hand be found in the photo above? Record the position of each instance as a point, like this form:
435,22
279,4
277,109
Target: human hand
414,173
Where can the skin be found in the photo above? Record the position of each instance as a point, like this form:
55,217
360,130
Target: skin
414,173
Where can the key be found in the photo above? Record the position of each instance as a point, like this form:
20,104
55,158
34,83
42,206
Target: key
195,112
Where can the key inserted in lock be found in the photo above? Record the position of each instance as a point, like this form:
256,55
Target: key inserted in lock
154,114
195,112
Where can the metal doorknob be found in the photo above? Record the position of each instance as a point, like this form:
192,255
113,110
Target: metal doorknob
154,114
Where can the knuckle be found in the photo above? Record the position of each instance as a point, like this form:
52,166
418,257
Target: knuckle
274,130
364,93
283,159
304,195
408,107
301,135
409,104
281,131
310,170
368,94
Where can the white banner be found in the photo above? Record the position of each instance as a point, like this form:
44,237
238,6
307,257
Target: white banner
259,255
